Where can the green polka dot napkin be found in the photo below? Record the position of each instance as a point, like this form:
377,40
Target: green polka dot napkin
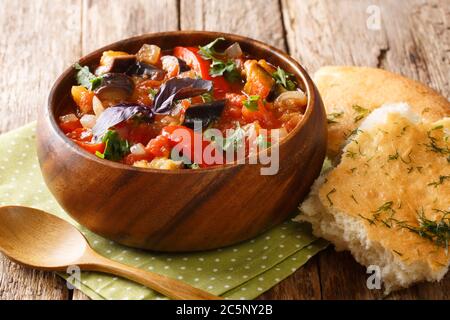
242,271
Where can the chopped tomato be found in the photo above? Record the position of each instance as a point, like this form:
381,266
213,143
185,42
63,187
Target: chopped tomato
263,115
69,126
193,59
186,141
82,137
91,147
80,134
233,107
132,158
159,147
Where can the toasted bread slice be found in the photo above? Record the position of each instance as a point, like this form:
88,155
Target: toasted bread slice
388,200
351,93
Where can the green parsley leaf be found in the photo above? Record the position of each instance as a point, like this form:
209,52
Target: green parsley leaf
207,97
283,78
192,166
362,112
332,117
219,67
152,92
86,79
208,52
252,103
116,148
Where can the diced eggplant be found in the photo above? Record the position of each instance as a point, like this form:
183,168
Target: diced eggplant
205,113
146,70
115,87
183,65
115,62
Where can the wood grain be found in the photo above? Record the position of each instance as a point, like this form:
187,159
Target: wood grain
260,20
413,40
107,21
33,55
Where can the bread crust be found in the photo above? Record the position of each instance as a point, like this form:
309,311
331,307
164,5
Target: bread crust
343,87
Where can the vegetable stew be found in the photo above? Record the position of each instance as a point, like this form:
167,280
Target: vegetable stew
169,109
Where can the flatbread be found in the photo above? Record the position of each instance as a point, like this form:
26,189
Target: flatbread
350,93
394,172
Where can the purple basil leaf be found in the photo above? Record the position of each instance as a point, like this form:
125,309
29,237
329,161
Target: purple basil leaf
178,88
204,113
112,116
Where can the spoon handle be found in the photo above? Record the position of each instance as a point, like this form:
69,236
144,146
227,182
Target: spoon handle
171,288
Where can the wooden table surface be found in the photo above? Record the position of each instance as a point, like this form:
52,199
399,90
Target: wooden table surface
40,38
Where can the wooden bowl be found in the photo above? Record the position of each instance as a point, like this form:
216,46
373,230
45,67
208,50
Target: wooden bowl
182,210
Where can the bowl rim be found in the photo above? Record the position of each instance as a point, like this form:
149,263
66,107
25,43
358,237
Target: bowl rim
298,70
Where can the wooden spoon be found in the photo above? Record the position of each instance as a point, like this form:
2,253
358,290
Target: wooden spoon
40,240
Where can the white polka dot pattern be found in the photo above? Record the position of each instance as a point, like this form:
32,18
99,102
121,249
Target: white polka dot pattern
239,272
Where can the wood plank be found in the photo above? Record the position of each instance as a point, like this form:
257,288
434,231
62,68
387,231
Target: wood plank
107,21
414,40
245,17
19,283
332,32
34,51
304,284
40,38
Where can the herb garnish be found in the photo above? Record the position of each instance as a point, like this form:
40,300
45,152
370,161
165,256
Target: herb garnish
439,182
393,156
85,78
193,166
219,67
433,145
116,148
435,231
333,116
350,154
328,196
252,103
285,79
152,92
207,97
362,112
